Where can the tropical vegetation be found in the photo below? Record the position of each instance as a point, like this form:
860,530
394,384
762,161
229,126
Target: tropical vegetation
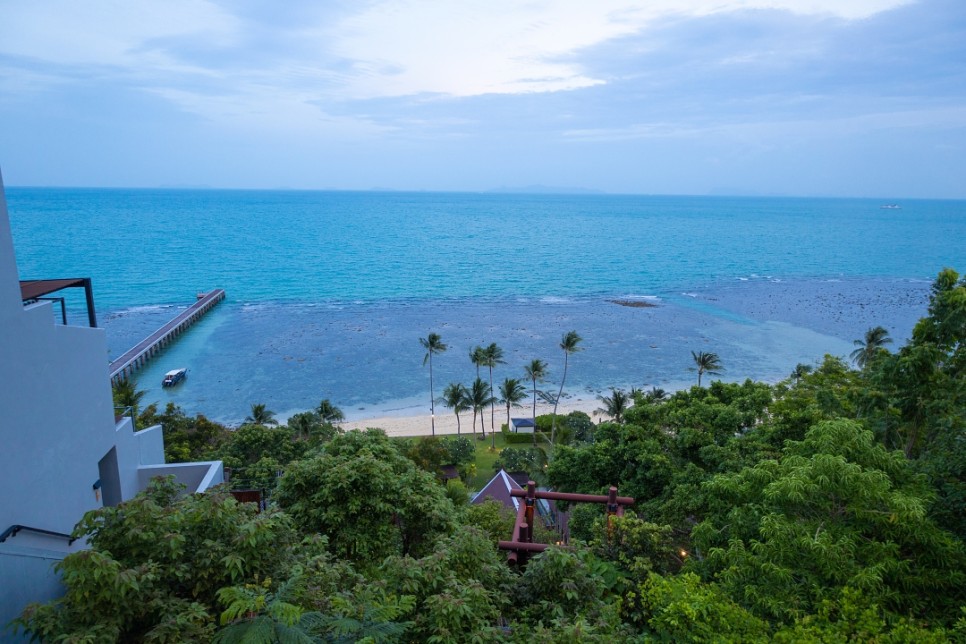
829,507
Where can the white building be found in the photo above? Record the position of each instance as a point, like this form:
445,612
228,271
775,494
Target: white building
63,451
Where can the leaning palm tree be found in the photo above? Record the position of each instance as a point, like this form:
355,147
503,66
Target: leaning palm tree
492,356
480,396
706,363
615,405
261,415
329,413
867,348
569,344
456,397
536,371
512,392
433,344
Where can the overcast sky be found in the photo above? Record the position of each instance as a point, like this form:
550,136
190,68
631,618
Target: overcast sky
795,97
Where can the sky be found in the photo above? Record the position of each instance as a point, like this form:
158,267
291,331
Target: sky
855,98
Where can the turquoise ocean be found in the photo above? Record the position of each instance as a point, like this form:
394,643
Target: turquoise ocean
329,292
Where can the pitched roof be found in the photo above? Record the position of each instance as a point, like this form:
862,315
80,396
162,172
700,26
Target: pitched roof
499,490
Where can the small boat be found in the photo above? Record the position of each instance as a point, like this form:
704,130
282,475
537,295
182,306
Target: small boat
173,377
890,206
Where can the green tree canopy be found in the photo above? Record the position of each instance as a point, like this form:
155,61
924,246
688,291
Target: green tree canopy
368,499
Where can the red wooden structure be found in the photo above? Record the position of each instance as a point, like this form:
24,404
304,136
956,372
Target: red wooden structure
522,544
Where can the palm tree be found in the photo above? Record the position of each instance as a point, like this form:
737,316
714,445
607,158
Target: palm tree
261,415
455,396
706,363
480,395
303,424
512,392
801,370
492,356
615,405
875,338
329,413
433,344
656,394
255,615
478,357
536,371
569,344
127,394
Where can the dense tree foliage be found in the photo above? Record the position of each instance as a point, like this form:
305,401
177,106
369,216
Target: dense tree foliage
365,496
156,565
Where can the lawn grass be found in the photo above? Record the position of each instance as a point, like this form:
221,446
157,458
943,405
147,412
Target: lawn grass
486,456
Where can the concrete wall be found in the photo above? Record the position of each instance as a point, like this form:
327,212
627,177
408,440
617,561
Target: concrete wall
135,449
9,291
28,576
58,419
197,477
150,445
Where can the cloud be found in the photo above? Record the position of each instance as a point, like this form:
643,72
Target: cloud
111,32
820,127
384,48
507,47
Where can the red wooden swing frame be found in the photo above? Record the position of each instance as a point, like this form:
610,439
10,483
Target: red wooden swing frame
521,545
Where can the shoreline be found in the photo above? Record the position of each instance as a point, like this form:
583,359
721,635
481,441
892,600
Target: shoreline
420,425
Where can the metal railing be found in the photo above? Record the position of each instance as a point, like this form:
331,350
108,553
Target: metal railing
14,529
121,412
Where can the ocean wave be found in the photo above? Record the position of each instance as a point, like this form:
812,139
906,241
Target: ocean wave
141,310
555,299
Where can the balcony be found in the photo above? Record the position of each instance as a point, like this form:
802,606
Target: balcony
34,291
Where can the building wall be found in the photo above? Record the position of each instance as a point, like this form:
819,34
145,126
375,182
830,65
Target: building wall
60,446
28,575
57,423
58,419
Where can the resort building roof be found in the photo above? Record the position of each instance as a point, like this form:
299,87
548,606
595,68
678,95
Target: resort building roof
499,490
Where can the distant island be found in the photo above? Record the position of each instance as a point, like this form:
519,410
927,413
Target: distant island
546,190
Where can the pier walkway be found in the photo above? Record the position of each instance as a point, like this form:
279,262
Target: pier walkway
135,358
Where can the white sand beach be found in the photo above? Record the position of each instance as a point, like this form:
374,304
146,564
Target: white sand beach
446,420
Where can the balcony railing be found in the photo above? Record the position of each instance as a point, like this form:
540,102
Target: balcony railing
121,412
13,530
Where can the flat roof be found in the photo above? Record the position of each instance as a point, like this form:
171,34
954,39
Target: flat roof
32,289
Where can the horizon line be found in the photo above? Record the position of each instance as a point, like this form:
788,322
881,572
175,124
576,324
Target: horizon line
504,190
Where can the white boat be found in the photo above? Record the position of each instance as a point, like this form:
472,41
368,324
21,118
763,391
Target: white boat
173,377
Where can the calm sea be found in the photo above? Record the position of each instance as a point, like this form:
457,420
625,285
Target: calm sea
329,292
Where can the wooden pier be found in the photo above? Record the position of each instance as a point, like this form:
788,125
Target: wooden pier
135,358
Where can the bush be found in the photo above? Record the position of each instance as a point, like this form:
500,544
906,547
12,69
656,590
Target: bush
518,439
